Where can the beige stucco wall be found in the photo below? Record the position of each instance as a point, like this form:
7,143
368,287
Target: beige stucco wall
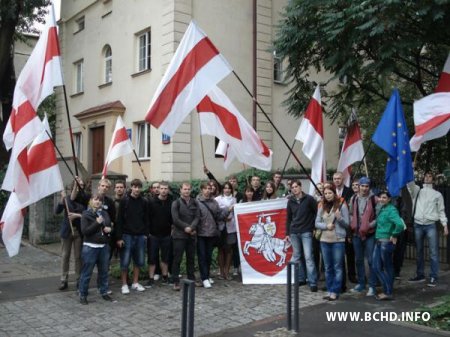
229,26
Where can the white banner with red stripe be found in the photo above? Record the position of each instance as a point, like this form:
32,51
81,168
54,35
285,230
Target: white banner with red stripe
219,117
194,70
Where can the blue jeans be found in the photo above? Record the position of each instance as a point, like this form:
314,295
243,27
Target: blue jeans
304,240
333,258
205,247
364,249
430,232
91,257
134,247
383,265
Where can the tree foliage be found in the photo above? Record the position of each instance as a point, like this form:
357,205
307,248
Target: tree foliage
371,46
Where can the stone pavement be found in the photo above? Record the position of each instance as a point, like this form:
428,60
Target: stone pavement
31,305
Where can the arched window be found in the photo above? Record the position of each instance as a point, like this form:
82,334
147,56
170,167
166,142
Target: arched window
108,64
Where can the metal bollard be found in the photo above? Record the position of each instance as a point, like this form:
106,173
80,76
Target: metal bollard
296,266
187,316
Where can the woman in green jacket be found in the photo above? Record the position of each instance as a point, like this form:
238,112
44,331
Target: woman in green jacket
389,226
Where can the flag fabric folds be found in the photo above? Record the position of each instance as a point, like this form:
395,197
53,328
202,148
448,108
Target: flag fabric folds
431,118
310,134
32,173
352,149
220,118
392,136
444,80
44,179
120,144
195,69
432,113
40,75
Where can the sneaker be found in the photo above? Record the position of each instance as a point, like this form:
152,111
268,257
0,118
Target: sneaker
150,283
416,279
372,292
206,284
211,280
313,289
156,277
235,272
83,300
358,289
125,289
165,280
108,298
176,287
432,283
137,287
301,283
198,284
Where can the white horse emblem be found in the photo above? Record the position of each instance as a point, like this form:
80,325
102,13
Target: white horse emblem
265,243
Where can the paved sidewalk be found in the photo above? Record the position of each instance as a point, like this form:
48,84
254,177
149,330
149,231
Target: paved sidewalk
31,305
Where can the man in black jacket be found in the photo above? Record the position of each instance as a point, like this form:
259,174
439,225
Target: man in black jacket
186,216
160,228
131,231
300,224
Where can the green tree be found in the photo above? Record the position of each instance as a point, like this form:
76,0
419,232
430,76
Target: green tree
16,18
370,47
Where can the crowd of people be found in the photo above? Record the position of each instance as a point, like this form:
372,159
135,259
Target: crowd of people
334,232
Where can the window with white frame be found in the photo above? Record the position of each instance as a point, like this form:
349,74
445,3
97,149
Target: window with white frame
78,140
79,76
143,140
144,50
278,75
108,64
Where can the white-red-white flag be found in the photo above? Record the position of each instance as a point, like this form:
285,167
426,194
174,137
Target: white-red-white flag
444,80
44,179
310,134
194,70
431,115
220,118
120,144
224,150
352,149
431,118
40,75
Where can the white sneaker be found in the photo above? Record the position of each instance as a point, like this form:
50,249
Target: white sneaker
156,277
125,290
372,292
206,284
211,281
137,287
236,272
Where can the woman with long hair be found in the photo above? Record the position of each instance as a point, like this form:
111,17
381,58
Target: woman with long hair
96,229
270,191
248,194
228,231
333,220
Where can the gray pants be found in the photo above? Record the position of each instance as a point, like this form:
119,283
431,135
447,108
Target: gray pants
66,248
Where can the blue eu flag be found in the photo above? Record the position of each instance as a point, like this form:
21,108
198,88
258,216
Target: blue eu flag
393,137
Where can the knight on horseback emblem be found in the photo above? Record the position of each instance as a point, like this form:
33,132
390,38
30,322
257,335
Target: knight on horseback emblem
264,240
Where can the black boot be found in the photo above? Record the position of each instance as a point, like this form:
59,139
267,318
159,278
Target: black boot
63,285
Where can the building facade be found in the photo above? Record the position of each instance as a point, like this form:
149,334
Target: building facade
114,54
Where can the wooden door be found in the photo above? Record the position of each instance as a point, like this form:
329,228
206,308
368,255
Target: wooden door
97,149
